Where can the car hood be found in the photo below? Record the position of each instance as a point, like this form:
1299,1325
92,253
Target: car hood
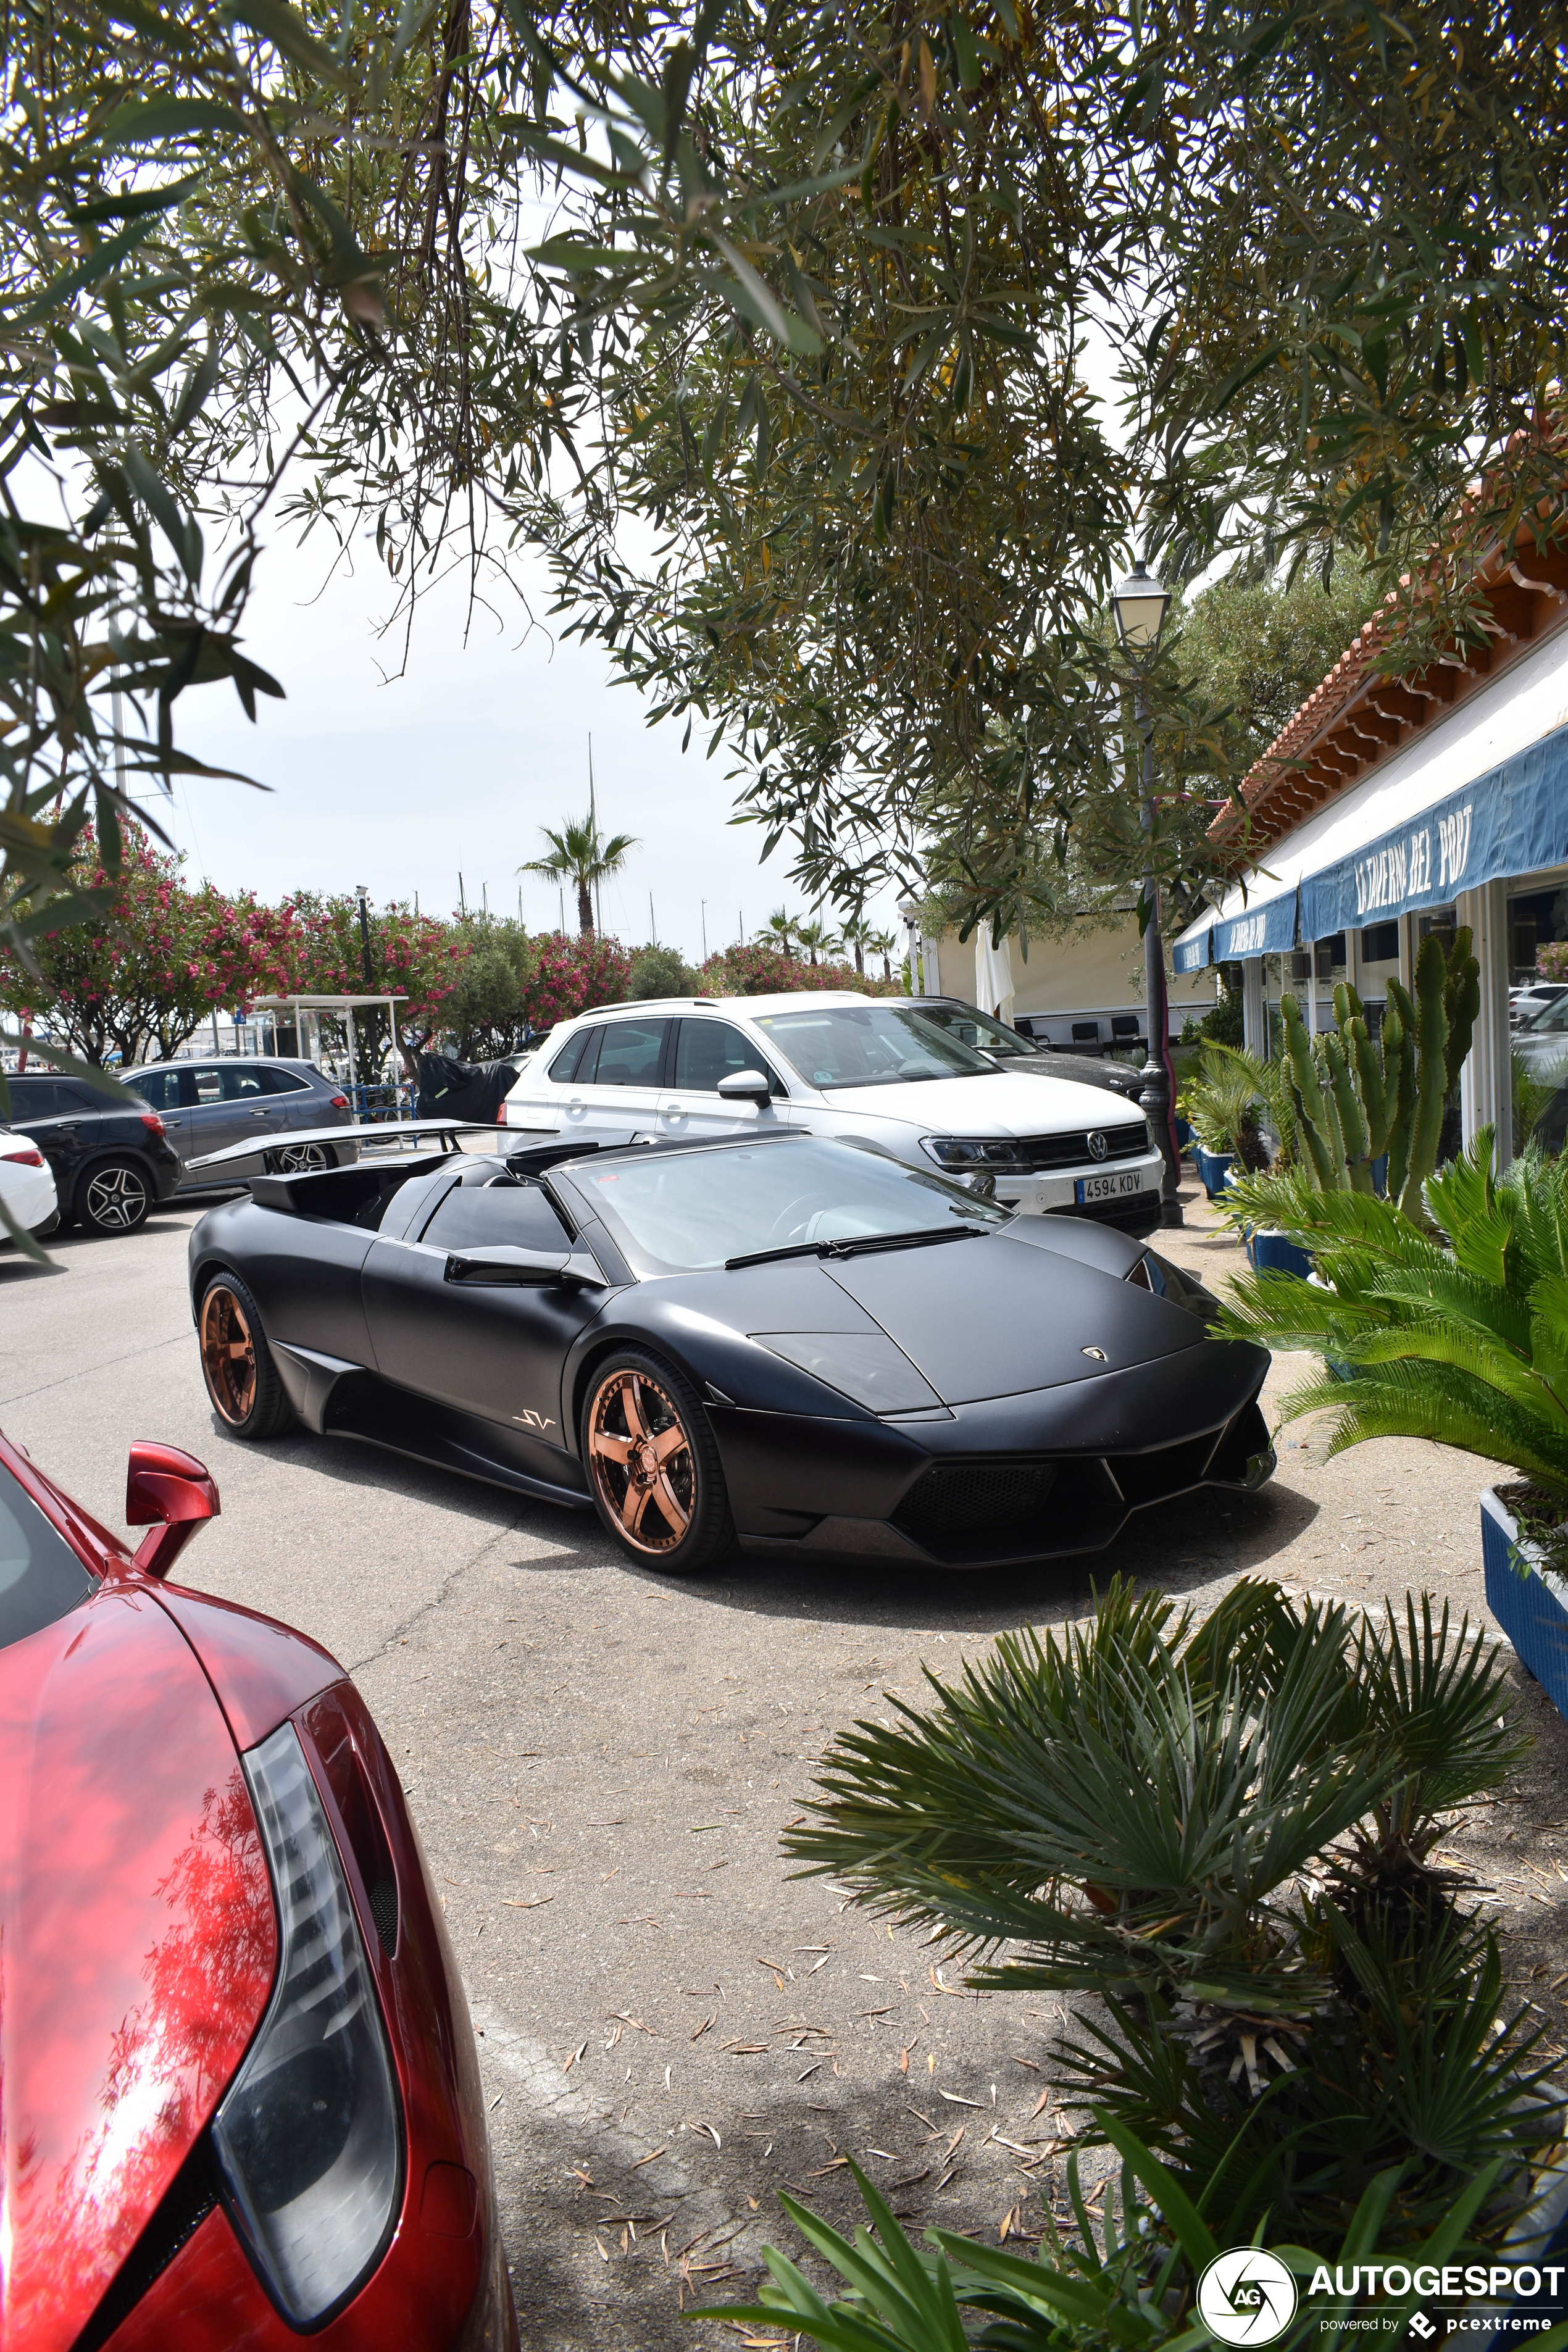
137,1944
1003,1102
994,1318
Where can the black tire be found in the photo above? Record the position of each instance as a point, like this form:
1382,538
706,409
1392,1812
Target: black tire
672,1515
115,1197
237,1364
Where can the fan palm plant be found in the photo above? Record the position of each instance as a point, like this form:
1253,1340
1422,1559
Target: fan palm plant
1459,1335
1222,1100
814,938
784,928
580,855
1225,1829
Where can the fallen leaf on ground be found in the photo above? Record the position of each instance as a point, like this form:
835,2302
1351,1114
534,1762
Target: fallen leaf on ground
648,2158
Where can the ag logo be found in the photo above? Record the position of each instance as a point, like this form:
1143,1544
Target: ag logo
1247,2296
1098,1146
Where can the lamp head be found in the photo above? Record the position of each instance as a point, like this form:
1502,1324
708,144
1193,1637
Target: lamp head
1141,607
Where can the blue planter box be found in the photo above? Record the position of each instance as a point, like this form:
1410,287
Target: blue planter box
1276,1253
1213,1168
1183,1132
1533,1609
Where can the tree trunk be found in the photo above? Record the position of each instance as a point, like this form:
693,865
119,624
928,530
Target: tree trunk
860,959
585,909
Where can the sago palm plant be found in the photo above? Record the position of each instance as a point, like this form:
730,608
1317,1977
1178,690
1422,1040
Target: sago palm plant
1460,1335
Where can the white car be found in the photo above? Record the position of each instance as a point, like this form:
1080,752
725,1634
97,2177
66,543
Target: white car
863,1068
26,1186
1541,1042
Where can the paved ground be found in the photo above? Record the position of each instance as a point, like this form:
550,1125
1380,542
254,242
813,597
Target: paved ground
600,1764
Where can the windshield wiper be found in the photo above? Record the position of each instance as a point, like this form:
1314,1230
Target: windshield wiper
858,1244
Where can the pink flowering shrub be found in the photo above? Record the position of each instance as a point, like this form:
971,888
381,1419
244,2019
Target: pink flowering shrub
761,970
1551,960
571,973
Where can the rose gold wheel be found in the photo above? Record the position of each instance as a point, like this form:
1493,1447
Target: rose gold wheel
641,1461
228,1356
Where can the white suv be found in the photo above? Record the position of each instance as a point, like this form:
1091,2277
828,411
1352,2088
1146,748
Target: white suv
865,1068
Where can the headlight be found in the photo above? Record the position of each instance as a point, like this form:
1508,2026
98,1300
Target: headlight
308,2137
863,1365
958,1153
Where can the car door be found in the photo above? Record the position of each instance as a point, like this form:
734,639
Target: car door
214,1121
261,1111
159,1090
549,1099
496,1353
705,1052
622,1095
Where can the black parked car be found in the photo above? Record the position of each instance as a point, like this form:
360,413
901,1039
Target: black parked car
112,1165
783,1340
1019,1049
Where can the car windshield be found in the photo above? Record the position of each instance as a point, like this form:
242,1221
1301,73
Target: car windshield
40,1576
869,1045
1551,1017
679,1211
972,1027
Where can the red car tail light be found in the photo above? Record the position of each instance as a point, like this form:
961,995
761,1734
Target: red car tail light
342,1102
152,1122
28,1158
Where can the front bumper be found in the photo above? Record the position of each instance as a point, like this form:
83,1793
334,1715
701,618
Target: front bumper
441,2284
1121,1186
1011,1480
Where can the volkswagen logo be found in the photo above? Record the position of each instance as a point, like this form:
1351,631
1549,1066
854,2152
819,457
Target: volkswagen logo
1098,1146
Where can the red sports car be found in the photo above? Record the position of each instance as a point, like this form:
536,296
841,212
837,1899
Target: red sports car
239,2098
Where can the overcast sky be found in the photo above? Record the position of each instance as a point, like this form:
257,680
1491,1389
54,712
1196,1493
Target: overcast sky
404,783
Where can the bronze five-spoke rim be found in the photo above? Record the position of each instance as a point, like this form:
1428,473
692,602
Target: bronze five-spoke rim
641,1461
229,1355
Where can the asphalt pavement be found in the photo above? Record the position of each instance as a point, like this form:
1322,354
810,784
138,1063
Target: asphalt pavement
600,1762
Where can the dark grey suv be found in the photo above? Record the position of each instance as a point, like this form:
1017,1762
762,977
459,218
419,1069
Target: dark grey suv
207,1105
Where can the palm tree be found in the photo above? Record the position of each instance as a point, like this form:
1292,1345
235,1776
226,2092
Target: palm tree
857,935
579,856
881,943
814,938
782,926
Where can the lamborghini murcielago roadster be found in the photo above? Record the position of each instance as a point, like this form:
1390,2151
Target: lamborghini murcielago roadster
788,1342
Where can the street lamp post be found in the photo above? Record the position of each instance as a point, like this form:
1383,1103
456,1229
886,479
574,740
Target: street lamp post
1141,604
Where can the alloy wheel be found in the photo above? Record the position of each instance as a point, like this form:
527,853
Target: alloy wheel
641,1461
229,1355
116,1199
299,1158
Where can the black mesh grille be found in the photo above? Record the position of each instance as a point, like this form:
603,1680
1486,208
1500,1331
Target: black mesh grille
966,1500
1072,1151
384,1911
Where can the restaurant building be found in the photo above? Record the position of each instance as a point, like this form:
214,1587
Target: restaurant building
1391,807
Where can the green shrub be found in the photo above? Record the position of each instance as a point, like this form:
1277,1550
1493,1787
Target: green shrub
1223,1828
662,971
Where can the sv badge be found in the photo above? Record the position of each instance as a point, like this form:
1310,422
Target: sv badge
533,1420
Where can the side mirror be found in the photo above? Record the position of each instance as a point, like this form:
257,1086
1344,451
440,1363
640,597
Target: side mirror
746,1086
505,1267
173,1495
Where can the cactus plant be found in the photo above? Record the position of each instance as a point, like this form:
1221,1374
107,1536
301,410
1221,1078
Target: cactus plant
1358,1097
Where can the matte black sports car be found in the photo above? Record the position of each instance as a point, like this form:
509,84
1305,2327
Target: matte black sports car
792,1342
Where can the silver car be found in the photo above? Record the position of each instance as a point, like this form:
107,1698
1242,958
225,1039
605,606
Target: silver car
207,1105
1541,1042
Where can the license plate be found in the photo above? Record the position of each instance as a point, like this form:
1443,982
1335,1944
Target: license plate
1107,1188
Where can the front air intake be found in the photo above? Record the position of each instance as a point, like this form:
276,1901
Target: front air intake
967,1503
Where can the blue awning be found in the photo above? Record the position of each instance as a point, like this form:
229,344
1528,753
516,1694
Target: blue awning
1190,951
1267,930
1513,820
